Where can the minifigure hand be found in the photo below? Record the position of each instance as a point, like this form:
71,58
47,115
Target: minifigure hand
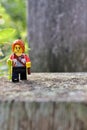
9,61
28,64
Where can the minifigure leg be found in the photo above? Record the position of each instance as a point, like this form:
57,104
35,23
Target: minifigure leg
23,75
15,76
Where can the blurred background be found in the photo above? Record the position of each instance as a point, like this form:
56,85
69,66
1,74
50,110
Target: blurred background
58,35
12,26
54,30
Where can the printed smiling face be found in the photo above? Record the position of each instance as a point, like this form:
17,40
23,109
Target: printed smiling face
18,47
18,50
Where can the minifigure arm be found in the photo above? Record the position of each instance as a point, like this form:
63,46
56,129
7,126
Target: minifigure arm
28,66
28,63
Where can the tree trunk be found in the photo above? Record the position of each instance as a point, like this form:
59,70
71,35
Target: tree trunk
44,102
58,35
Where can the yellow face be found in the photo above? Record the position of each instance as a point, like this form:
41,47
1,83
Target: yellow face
18,50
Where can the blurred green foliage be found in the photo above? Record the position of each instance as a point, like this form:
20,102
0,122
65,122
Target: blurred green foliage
12,26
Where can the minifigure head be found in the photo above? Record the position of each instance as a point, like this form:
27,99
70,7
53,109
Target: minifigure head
18,47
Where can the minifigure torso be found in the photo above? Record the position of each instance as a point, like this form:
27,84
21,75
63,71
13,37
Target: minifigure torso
21,62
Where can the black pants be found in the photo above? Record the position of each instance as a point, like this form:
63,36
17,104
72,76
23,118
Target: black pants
16,71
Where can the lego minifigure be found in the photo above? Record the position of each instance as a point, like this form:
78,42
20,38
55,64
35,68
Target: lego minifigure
19,62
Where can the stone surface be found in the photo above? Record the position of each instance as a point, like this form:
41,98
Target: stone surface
46,101
46,87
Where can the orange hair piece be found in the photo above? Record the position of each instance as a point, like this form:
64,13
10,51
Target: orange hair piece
18,42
